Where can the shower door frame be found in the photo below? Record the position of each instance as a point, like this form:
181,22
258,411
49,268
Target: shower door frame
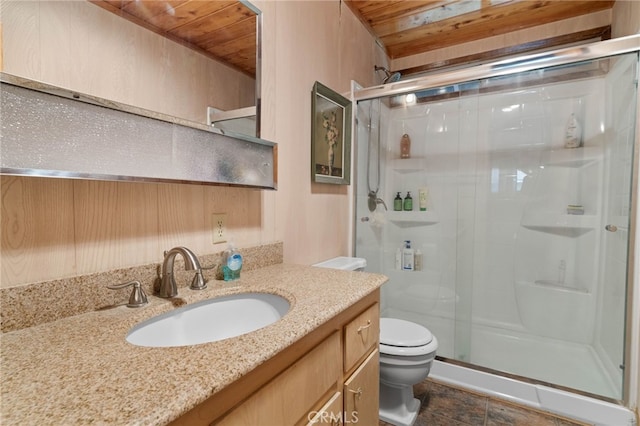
587,52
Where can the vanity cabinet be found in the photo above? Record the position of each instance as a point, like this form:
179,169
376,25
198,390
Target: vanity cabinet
361,368
288,397
329,377
362,392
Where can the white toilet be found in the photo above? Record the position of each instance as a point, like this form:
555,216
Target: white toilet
407,351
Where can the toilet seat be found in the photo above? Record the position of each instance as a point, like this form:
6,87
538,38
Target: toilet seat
405,338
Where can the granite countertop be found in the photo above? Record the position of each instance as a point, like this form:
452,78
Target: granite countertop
81,370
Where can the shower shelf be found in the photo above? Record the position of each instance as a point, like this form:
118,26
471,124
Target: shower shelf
414,218
575,157
560,224
409,164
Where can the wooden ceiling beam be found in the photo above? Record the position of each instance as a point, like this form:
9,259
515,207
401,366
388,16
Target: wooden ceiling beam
482,24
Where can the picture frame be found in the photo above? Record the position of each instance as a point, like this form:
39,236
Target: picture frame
330,136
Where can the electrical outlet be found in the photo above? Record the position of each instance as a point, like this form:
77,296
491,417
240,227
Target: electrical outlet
219,228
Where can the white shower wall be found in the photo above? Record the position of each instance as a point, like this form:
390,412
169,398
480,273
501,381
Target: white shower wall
478,153
498,178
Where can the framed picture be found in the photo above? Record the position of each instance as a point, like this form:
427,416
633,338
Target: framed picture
330,136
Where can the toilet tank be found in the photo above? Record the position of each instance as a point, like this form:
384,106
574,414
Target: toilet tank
344,263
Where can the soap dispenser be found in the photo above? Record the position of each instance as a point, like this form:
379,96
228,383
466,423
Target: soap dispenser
232,263
397,203
408,202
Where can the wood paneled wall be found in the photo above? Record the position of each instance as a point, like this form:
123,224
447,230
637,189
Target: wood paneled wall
54,228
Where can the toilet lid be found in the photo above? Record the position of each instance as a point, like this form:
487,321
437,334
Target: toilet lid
401,333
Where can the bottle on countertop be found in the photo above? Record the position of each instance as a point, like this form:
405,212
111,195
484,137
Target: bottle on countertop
407,205
407,257
405,146
397,203
232,263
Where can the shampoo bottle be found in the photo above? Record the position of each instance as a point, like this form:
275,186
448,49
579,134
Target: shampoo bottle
422,199
407,256
405,146
417,260
573,133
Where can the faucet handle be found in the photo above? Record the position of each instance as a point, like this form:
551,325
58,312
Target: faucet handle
198,282
137,298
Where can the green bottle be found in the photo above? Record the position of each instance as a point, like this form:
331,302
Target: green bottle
397,203
408,202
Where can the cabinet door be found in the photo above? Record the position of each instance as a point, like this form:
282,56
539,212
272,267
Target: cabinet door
361,393
330,414
361,335
288,398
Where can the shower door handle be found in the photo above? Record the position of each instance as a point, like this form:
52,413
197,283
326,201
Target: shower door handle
611,228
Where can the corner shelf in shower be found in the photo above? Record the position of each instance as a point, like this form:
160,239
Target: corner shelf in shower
574,157
408,165
413,218
567,225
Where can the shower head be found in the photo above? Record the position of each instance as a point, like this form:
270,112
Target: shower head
390,77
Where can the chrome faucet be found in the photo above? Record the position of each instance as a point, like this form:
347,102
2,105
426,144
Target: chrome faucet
168,286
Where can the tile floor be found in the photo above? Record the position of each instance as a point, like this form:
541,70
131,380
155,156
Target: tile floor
446,405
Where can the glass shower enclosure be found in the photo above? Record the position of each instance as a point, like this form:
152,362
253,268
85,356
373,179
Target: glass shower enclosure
527,172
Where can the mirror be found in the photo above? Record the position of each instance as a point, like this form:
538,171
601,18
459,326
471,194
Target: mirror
196,55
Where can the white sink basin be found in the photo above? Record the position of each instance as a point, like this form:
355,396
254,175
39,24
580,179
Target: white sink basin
210,320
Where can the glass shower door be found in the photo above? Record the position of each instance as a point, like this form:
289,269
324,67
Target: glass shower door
525,236
621,106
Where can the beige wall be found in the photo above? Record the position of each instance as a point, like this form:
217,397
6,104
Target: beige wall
307,41
58,228
626,18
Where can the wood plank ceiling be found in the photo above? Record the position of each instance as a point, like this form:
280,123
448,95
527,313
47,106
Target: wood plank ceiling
223,30
226,30
407,28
